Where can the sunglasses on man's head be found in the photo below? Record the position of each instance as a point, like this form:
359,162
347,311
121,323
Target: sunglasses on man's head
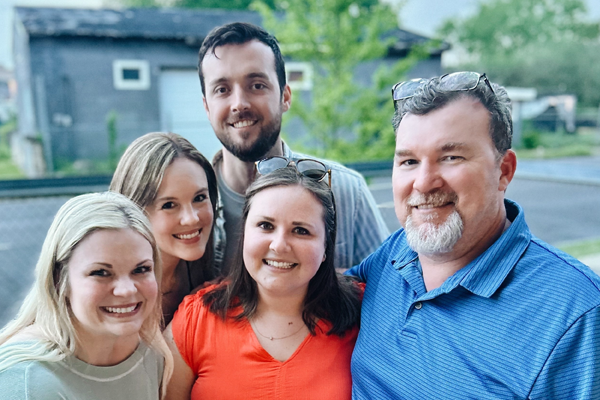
310,168
455,82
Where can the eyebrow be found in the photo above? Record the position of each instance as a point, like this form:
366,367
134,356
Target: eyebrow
261,75
454,146
200,191
107,265
403,153
295,223
450,146
252,75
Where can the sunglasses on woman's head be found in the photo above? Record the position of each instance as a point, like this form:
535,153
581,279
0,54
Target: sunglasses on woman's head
310,168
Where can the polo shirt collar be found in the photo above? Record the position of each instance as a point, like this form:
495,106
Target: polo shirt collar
484,275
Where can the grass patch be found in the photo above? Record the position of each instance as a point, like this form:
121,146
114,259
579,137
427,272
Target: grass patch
8,170
573,150
581,249
555,145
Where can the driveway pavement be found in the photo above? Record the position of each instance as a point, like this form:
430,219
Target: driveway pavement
584,170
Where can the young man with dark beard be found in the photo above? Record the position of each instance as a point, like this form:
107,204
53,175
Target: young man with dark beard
464,302
242,74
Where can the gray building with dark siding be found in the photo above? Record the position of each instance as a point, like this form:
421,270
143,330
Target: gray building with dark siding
74,67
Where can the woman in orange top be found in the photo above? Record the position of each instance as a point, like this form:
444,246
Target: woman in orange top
282,325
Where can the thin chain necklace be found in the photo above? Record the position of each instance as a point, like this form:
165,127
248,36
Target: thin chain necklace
275,338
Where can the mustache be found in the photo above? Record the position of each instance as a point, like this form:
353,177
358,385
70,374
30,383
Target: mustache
242,115
435,199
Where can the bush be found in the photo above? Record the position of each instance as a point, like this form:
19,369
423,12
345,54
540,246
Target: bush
531,140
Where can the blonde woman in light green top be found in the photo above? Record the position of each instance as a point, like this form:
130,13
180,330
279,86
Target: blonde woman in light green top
90,326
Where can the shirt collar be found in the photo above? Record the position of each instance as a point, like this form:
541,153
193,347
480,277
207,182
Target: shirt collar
287,152
484,275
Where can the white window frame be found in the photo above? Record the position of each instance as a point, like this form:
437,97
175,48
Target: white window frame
143,83
307,75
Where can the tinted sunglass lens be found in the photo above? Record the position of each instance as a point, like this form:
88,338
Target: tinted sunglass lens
271,164
460,81
312,169
406,89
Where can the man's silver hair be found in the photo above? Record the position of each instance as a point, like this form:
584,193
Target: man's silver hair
431,96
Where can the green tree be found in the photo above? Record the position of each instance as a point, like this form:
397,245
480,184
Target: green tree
502,27
346,120
228,4
546,44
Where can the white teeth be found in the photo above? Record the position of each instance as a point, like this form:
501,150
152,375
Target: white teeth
278,264
429,206
243,124
122,310
188,236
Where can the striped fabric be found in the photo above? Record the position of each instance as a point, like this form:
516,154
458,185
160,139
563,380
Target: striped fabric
521,321
360,226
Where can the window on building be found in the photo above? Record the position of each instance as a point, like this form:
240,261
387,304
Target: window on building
299,75
131,74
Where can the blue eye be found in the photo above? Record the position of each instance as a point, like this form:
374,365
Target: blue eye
168,205
142,269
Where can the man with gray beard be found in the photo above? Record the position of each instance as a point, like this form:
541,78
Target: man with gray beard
464,302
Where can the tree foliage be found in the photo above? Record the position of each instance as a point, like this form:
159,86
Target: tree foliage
505,26
546,44
227,4
347,116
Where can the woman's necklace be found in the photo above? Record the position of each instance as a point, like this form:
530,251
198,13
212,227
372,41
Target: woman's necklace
277,338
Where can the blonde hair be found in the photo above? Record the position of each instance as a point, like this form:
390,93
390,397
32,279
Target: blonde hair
46,306
142,167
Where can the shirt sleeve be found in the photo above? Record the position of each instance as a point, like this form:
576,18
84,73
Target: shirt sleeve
28,381
572,370
185,328
370,229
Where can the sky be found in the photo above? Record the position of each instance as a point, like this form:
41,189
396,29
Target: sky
419,16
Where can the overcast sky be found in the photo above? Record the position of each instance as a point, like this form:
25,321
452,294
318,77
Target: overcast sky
420,16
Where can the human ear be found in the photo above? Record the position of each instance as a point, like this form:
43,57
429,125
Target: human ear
286,98
508,166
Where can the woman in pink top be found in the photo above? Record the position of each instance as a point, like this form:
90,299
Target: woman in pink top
283,324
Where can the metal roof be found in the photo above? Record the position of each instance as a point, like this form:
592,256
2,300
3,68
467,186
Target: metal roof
155,23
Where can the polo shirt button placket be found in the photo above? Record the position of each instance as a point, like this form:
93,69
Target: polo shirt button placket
418,305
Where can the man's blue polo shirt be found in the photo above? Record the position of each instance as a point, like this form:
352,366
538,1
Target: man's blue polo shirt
521,321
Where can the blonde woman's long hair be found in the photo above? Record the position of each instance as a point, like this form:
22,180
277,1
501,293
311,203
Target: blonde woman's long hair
140,172
46,306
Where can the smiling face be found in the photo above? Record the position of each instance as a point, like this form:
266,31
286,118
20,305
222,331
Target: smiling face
182,214
284,240
243,99
112,286
447,177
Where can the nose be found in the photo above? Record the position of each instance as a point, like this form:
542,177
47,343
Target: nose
428,178
189,215
279,243
239,100
124,287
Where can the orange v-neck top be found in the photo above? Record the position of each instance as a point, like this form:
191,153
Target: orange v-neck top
230,363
